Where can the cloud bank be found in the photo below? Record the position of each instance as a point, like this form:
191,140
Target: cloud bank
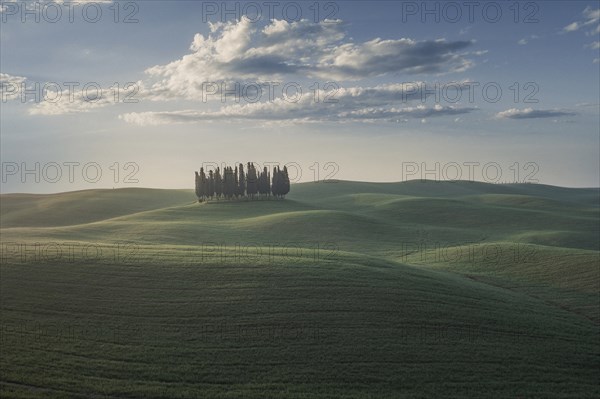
240,51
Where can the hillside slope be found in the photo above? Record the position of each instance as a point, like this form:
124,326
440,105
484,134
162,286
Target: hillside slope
181,322
77,207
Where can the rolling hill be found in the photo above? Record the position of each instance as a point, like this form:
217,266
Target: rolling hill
346,289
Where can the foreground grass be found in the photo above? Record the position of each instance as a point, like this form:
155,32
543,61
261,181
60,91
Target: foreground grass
349,326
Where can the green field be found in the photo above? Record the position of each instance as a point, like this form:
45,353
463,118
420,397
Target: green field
345,289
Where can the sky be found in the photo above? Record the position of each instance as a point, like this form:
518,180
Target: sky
141,94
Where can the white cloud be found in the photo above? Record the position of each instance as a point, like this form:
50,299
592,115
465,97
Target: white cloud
6,79
379,57
586,104
590,17
572,27
30,3
64,102
526,40
63,107
11,86
530,113
594,45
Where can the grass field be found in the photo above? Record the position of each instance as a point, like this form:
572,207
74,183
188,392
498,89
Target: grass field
346,289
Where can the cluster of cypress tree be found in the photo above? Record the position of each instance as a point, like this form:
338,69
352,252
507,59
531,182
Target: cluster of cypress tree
235,183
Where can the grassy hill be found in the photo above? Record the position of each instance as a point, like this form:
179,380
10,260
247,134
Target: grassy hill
85,206
347,289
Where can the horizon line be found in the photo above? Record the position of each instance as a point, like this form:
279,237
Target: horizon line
332,181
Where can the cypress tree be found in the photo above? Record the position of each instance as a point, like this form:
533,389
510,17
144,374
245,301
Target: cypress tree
242,181
231,183
285,186
265,181
275,186
218,184
226,182
211,184
229,186
198,193
260,183
236,185
203,188
251,186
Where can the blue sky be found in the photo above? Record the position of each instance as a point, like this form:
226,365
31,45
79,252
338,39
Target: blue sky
375,58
